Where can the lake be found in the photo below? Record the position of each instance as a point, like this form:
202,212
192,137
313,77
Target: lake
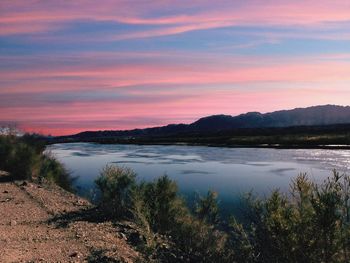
229,171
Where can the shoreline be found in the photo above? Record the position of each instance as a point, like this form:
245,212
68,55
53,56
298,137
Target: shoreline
258,146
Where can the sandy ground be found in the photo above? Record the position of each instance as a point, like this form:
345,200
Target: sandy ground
48,224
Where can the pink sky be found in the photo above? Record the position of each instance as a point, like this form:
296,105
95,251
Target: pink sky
74,66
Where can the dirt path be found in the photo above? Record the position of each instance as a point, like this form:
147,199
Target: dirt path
47,224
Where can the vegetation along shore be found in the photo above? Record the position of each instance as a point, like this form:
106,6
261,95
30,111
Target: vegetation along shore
150,222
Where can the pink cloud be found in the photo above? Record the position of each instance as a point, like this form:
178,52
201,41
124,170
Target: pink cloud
85,75
80,116
204,15
198,83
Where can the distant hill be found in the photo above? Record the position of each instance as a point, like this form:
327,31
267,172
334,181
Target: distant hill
311,116
317,115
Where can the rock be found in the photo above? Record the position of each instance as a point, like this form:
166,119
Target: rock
24,183
5,192
13,222
123,236
73,254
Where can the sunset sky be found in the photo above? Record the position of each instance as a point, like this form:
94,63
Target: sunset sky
69,66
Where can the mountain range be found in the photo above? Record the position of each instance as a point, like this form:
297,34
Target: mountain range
311,116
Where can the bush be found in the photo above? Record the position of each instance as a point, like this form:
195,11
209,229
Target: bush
199,241
116,185
163,204
24,159
53,171
157,206
18,158
207,208
6,148
310,225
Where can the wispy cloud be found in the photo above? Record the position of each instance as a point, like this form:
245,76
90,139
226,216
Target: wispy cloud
68,66
85,74
16,16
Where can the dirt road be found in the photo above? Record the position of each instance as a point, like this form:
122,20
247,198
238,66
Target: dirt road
48,224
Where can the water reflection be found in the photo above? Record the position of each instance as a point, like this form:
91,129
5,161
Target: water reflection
231,172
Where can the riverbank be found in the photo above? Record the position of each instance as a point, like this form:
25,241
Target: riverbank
222,145
44,223
298,137
260,146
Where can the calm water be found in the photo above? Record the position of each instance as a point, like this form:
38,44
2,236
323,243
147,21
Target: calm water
228,171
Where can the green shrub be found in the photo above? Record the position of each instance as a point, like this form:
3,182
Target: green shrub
199,241
140,212
311,226
239,246
23,157
163,203
6,148
53,171
207,208
117,185
18,158
155,204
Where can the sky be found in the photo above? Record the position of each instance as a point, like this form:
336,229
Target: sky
70,66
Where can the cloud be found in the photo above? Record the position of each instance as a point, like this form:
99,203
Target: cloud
16,16
107,73
60,72
78,115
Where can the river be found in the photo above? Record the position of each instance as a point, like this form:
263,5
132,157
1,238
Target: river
230,172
